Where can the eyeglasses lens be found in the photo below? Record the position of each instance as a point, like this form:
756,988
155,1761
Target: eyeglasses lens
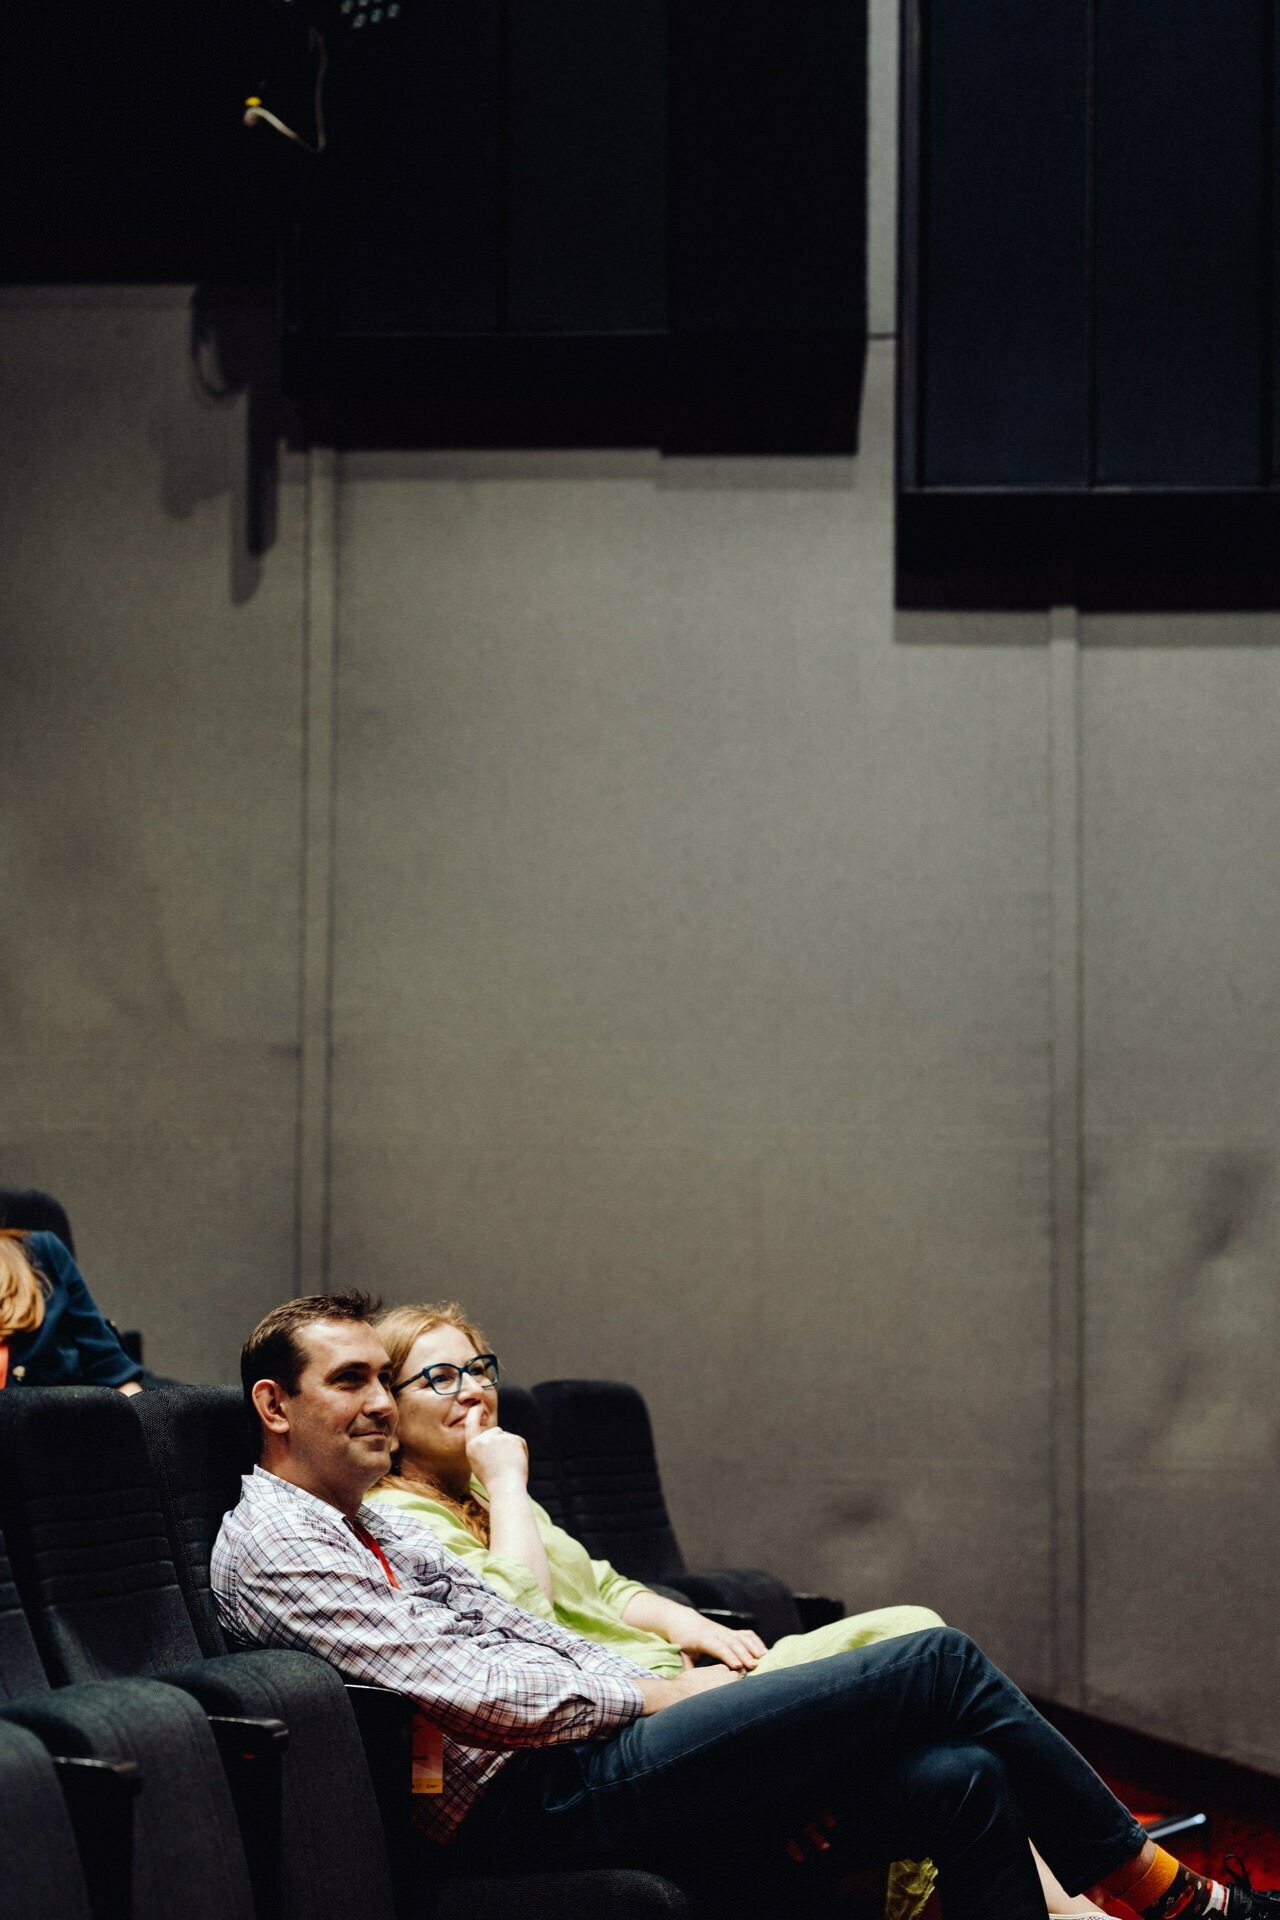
448,1380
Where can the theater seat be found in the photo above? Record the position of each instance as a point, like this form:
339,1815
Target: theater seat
520,1413
40,1875
91,1557
170,1853
612,1500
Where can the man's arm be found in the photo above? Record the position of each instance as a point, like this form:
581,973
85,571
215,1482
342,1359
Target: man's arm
481,1683
660,1694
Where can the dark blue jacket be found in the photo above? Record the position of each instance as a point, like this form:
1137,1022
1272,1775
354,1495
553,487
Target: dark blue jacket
74,1346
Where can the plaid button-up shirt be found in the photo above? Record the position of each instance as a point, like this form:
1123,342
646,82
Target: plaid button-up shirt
289,1572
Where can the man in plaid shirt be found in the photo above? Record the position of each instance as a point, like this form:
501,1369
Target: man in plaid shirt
560,1754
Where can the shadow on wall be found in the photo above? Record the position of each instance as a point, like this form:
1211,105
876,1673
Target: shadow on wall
220,425
1184,1245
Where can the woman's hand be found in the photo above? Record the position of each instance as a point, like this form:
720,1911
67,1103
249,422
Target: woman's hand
498,1458
692,1632
500,1461
731,1646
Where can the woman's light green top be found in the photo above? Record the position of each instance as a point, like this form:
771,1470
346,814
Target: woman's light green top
590,1595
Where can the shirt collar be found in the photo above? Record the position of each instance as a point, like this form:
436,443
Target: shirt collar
262,1484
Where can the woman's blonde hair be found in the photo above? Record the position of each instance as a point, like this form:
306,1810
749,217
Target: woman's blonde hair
399,1332
401,1329
23,1288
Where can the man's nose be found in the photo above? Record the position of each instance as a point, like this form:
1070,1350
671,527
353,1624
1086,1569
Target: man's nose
380,1398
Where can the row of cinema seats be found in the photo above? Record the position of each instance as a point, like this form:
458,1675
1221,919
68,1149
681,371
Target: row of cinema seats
595,1470
211,1783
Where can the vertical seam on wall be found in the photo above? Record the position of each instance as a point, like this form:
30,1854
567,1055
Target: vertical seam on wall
316,941
1066,1113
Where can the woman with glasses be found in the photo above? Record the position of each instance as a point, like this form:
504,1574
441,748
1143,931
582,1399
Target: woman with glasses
468,1479
458,1471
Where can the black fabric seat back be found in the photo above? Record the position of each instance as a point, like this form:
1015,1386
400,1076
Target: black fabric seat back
613,1500
199,1445
610,1486
40,1877
21,1671
520,1413
187,1859
87,1536
35,1211
183,1788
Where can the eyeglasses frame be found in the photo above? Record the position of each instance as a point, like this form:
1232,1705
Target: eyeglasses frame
450,1393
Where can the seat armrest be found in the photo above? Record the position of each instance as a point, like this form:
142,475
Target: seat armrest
99,1796
248,1738
817,1610
251,1751
385,1721
730,1617
744,1590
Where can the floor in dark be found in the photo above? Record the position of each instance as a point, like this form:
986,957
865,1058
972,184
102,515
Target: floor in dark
1154,1777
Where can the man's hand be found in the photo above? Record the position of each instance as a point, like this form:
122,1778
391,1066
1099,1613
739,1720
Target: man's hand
497,1458
668,1693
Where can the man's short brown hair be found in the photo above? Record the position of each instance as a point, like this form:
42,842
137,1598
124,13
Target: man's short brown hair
273,1352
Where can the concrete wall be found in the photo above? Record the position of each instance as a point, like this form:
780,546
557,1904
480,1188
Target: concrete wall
657,967
1181,827
150,795
561,881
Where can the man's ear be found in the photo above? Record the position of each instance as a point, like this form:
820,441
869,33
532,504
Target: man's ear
269,1398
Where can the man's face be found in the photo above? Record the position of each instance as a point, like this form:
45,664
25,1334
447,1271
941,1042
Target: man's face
341,1419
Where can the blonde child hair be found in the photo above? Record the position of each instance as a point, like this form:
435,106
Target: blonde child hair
23,1288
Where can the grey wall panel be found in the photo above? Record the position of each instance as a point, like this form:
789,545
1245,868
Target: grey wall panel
150,800
1182,1064
882,165
665,1025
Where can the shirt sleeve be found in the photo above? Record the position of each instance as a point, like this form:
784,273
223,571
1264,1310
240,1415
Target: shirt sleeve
616,1590
481,1683
501,1571
103,1361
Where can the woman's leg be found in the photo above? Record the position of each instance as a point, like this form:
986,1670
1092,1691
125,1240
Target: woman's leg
843,1636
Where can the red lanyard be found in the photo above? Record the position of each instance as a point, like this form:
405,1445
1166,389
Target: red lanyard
366,1539
428,1741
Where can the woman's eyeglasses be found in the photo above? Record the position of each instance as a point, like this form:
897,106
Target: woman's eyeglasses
446,1379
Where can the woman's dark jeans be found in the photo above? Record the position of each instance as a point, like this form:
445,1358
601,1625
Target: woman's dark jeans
916,1746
